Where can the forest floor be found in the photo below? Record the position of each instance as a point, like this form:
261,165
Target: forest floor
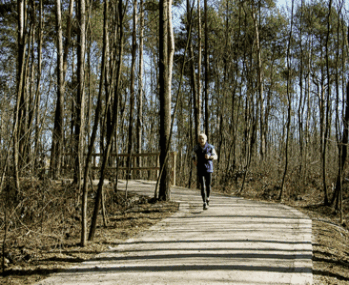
30,257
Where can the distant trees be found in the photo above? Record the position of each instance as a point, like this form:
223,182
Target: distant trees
268,85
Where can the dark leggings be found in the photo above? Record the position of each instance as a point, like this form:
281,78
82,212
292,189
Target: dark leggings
205,181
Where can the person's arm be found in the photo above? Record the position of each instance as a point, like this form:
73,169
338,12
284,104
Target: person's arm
213,155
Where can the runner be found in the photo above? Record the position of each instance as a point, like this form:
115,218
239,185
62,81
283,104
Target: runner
203,155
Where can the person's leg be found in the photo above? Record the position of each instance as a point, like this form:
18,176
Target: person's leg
203,187
208,179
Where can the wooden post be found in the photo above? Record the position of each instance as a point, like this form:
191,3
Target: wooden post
174,164
134,165
157,165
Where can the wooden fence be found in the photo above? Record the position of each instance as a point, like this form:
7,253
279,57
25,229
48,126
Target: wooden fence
149,162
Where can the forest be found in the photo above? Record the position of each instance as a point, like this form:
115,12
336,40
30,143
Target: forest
82,82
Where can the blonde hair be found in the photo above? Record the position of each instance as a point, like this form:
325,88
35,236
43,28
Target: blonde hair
203,136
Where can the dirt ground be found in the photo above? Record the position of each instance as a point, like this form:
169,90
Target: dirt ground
330,244
42,242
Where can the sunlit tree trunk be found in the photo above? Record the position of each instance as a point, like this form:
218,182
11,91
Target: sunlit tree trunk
289,104
132,87
328,104
21,43
206,60
38,88
140,84
114,121
98,113
198,112
193,79
260,85
165,73
80,97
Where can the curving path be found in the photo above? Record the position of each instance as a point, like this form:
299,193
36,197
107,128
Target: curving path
236,241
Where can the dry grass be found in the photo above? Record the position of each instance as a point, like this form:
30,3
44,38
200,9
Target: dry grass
38,245
45,230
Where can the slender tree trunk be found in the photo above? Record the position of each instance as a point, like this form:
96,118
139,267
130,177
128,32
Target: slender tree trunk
140,83
31,87
132,87
196,103
165,46
24,103
38,83
206,60
80,100
343,143
199,95
98,113
289,105
328,104
301,99
114,123
21,42
260,86
57,135
68,37
307,122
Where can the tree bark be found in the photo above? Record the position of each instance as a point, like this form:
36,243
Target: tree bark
140,84
68,37
199,95
328,103
98,113
132,88
165,46
114,124
196,103
21,42
289,106
57,135
38,83
80,97
206,60
260,86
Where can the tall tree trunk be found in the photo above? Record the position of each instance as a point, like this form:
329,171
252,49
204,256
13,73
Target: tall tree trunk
80,97
38,83
206,59
68,36
31,87
57,135
132,87
343,150
199,95
260,85
289,105
165,69
24,104
193,79
140,84
114,123
98,113
301,99
328,104
21,42
307,122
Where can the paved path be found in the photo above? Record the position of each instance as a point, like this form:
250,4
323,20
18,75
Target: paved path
235,242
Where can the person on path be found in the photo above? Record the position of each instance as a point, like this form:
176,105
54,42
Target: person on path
203,155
